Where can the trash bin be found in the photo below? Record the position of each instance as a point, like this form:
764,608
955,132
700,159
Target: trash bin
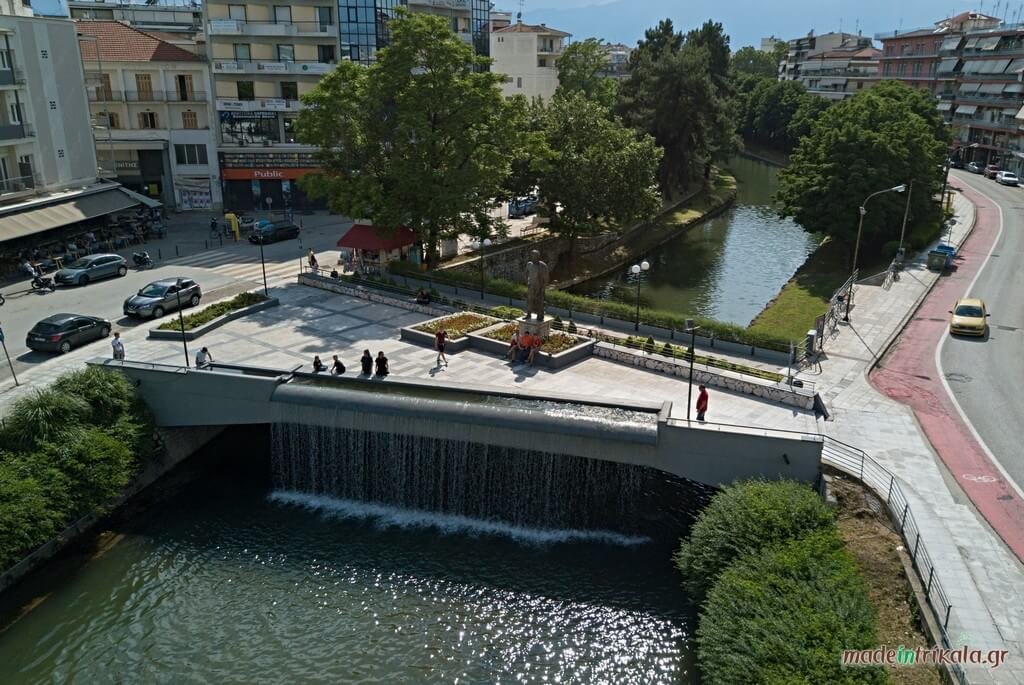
937,260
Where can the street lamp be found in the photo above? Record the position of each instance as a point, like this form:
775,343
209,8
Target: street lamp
480,245
692,330
181,321
856,246
945,177
637,270
263,265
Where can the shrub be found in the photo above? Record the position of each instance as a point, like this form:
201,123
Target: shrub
98,466
649,344
668,350
557,323
208,314
571,328
504,312
109,395
744,518
26,518
784,614
457,325
46,416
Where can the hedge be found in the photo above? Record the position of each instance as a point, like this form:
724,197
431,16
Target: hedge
785,613
744,518
69,450
210,313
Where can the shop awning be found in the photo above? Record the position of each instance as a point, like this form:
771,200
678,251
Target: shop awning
31,221
366,237
142,199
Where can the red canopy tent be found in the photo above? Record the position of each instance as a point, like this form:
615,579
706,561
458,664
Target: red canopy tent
366,237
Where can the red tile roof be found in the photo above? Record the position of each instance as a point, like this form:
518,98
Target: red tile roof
530,28
119,42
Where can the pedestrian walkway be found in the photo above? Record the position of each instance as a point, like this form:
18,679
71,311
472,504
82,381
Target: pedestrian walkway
240,265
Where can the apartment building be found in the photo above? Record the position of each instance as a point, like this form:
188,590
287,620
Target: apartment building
178,22
618,59
809,46
838,74
526,54
154,124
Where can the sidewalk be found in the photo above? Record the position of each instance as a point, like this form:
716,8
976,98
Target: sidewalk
982,578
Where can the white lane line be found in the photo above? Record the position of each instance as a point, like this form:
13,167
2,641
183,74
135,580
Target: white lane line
945,337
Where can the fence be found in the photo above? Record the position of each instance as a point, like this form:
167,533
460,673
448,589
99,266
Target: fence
838,305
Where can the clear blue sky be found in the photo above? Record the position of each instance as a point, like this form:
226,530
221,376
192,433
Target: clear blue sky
746,21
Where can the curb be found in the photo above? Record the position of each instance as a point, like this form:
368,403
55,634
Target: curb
170,334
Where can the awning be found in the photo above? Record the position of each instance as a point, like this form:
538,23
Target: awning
945,106
996,66
991,88
1015,66
1020,114
948,64
967,88
966,109
32,221
142,199
950,43
971,43
366,237
988,43
1013,87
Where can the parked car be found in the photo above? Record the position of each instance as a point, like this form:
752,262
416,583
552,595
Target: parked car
163,296
968,317
63,332
991,170
267,232
975,168
956,162
1007,178
91,268
523,206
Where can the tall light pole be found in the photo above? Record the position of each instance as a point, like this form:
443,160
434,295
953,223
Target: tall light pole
906,213
181,322
638,271
692,330
482,245
263,265
945,176
856,246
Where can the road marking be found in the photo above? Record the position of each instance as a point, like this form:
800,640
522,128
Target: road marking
945,337
979,479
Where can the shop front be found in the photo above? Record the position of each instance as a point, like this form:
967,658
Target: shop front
251,181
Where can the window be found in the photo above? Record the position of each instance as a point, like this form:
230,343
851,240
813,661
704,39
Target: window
353,14
6,62
519,82
113,120
325,53
189,119
148,120
289,130
15,110
144,86
190,154
542,61
285,53
282,14
246,90
104,91
917,68
236,12
323,17
242,52
289,90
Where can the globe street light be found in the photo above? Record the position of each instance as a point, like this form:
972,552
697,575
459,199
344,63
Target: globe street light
856,246
481,245
637,270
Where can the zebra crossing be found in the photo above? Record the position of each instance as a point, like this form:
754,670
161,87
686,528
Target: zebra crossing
238,266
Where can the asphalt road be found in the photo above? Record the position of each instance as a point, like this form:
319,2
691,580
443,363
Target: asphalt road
986,375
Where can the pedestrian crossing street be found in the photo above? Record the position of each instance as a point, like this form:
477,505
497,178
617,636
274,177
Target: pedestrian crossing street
238,266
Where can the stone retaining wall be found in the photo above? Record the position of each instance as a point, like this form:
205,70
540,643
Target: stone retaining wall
716,378
335,286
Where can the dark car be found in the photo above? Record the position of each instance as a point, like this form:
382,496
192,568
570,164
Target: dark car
163,296
522,207
975,168
91,268
62,332
956,162
271,232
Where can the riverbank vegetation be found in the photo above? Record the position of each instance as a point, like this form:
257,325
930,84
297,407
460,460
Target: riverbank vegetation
68,450
780,597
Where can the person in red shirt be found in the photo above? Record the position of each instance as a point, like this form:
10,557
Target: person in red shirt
702,403
535,343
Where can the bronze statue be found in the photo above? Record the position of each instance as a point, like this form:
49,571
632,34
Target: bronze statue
536,282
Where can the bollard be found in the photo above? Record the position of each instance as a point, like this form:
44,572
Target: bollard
177,253
159,254
207,243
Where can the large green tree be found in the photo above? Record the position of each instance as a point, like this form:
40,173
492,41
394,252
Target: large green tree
875,140
582,68
421,138
775,113
750,60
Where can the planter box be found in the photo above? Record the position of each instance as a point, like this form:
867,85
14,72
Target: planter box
584,349
165,334
410,334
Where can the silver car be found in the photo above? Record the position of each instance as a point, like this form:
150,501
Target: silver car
91,268
163,296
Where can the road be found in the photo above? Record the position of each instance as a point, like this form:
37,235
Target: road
221,272
986,375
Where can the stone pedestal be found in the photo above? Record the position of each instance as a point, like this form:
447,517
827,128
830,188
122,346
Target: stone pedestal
541,329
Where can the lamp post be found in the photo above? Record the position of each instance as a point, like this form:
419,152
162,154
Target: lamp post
692,330
482,245
637,270
181,321
856,246
263,265
945,176
906,213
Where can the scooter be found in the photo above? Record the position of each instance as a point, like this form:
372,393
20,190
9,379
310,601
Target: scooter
142,260
43,283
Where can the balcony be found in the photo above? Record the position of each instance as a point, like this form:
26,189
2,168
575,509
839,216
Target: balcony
11,77
104,95
270,67
259,105
20,184
912,55
15,131
1012,126
298,29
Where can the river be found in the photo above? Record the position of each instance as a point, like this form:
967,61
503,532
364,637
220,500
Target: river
228,580
727,268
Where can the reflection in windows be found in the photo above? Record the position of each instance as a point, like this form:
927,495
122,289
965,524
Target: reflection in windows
249,128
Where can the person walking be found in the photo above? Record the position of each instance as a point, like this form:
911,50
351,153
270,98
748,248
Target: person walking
382,364
440,340
318,366
203,358
702,403
118,346
314,266
337,368
366,361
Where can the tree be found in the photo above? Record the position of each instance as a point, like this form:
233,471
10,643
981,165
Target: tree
421,138
749,60
875,140
711,36
598,172
581,69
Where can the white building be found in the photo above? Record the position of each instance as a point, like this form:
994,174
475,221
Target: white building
526,55
150,99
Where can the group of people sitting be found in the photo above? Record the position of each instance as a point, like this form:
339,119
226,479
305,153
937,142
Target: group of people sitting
523,348
370,366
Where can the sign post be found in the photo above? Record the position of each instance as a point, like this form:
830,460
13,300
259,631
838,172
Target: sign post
6,354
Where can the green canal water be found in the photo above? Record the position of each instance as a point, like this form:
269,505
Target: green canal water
727,268
228,581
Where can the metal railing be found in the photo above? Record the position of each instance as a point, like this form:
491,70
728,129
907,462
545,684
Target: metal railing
837,306
18,184
270,28
16,131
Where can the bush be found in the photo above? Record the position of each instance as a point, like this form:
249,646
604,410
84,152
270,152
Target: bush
571,328
744,518
668,350
557,323
784,614
45,417
649,344
208,314
504,312
109,395
26,518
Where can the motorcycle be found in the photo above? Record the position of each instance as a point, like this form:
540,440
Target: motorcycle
43,283
142,260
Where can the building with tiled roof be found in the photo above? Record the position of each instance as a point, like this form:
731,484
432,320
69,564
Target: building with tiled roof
525,54
151,100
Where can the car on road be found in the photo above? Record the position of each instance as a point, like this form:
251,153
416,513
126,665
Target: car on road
968,317
91,268
991,170
64,332
522,207
163,296
975,168
271,232
1007,178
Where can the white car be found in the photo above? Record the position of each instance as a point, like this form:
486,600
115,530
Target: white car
1007,178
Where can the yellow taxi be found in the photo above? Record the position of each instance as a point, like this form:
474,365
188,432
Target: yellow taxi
969,317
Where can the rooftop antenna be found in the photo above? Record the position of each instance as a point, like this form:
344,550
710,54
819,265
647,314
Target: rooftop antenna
519,16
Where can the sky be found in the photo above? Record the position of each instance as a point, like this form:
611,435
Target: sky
746,21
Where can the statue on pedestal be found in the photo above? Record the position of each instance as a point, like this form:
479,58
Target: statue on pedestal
536,281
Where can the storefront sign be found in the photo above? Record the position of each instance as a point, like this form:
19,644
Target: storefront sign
227,66
224,26
274,67
231,105
263,174
316,67
275,104
242,116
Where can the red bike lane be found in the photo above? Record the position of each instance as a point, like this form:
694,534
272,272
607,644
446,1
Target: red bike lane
909,374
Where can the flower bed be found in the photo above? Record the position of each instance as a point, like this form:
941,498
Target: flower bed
210,313
457,325
553,344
